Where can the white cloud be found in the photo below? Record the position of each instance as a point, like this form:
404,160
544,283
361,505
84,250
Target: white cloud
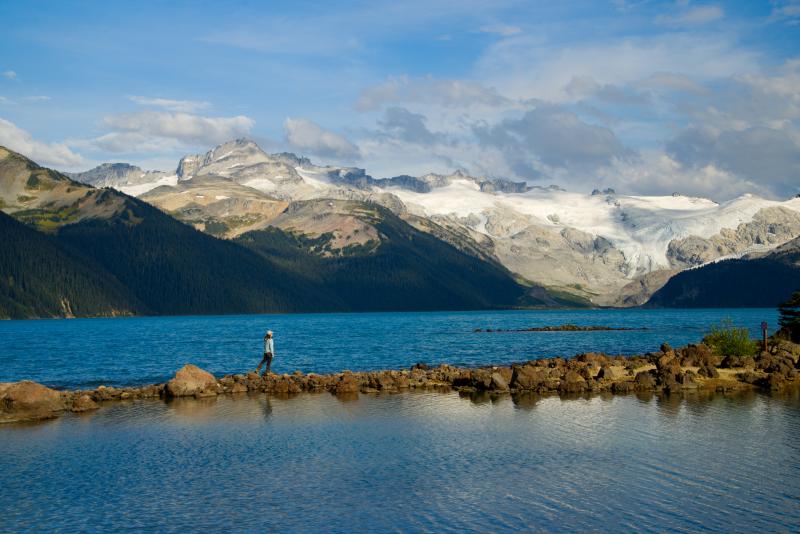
521,67
54,154
9,74
786,11
501,29
693,16
671,81
308,136
185,106
553,136
144,128
36,98
429,90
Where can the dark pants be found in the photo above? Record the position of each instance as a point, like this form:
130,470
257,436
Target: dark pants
266,359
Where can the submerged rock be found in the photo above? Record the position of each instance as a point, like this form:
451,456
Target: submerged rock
190,380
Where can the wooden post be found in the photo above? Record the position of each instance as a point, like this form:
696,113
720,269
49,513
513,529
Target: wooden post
764,328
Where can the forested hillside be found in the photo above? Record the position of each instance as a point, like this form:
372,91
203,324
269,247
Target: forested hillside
755,282
86,252
38,278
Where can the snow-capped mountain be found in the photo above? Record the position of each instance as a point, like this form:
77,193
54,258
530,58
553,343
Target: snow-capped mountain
605,247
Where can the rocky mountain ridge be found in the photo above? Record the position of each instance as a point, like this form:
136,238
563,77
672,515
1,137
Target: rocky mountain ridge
604,248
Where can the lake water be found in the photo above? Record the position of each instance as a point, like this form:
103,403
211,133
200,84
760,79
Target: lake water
131,351
411,462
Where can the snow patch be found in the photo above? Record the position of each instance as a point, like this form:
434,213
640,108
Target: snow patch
141,189
641,227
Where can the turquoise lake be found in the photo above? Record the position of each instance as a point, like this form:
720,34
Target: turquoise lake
139,350
407,462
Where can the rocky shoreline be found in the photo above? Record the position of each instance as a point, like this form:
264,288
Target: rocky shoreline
693,367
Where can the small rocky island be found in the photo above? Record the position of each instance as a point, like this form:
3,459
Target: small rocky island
561,328
669,371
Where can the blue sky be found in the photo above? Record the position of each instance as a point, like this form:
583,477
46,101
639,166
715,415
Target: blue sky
646,97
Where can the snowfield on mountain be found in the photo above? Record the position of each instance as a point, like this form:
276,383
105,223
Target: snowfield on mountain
602,248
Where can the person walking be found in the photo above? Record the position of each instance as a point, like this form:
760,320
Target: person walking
269,352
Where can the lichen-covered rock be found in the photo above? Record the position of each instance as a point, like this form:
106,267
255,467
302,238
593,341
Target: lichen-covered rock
28,401
190,380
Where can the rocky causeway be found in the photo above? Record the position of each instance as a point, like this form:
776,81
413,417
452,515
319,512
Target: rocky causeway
670,371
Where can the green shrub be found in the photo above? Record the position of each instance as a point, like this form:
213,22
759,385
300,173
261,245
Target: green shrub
729,340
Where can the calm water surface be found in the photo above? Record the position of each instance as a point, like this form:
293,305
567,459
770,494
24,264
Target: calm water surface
413,462
126,351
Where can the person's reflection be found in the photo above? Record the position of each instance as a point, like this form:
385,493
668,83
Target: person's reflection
266,407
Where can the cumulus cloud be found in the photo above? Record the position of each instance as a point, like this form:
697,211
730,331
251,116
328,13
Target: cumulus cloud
403,124
693,16
656,173
768,156
670,81
53,154
308,136
501,29
9,74
185,106
429,90
522,67
140,131
786,11
555,136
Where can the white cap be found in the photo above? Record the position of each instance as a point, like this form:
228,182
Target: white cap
269,332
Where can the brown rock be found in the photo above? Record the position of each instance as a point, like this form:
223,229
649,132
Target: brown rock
572,382
644,381
610,373
481,379
528,377
593,357
347,383
238,387
191,380
499,383
623,387
84,403
27,401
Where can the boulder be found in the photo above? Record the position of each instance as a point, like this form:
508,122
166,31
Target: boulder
644,381
528,376
623,387
347,383
708,371
610,373
730,362
593,357
28,401
499,383
572,382
481,379
238,387
84,403
190,380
